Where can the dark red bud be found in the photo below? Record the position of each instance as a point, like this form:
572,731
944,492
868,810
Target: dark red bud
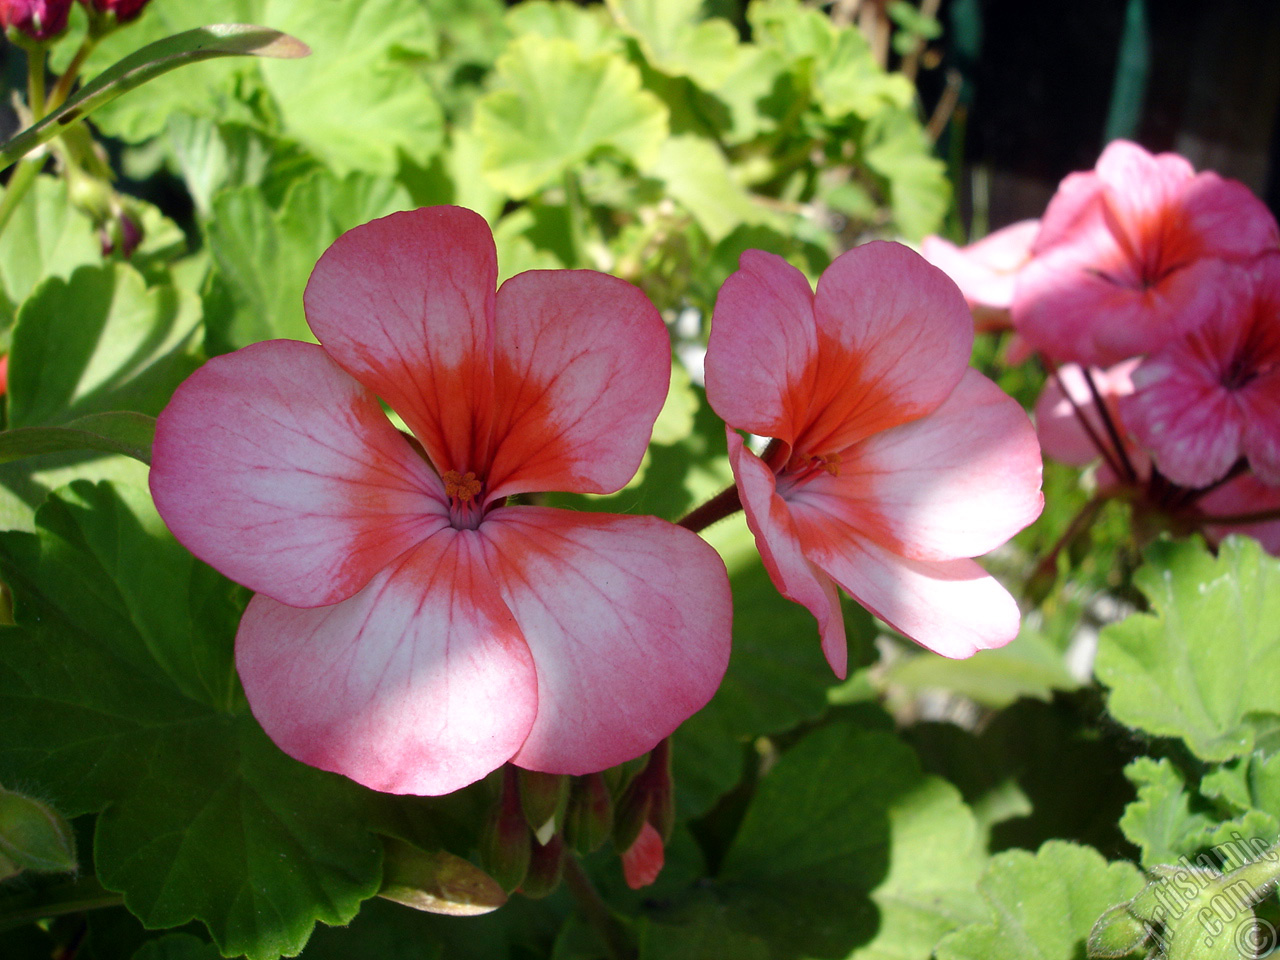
589,817
546,865
40,20
506,843
124,10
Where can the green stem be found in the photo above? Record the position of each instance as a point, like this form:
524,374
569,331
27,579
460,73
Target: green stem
24,175
596,911
74,897
577,218
35,80
62,89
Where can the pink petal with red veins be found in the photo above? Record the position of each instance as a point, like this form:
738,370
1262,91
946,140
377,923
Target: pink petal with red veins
953,607
1145,190
421,683
894,339
406,305
957,483
1183,416
1232,223
642,861
581,370
274,466
770,520
628,619
1260,409
762,347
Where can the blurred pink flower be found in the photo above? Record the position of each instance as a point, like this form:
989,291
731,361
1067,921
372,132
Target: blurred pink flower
410,630
1072,430
124,10
1239,497
1130,253
1207,399
985,271
892,462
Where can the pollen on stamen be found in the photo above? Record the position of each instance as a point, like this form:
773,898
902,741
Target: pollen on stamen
461,486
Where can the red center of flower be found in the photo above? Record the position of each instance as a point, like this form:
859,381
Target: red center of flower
465,502
800,468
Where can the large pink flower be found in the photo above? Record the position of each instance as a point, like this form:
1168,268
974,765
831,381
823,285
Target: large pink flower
892,463
1213,396
1129,255
412,630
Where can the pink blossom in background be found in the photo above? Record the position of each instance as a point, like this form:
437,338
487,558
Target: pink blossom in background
411,629
892,463
1130,255
985,271
1063,436
1241,496
1207,399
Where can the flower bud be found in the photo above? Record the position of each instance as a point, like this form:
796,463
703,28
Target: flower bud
642,861
588,819
40,20
506,842
546,864
121,232
122,10
34,836
437,882
1117,933
542,797
648,799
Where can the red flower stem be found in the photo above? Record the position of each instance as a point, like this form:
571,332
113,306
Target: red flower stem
1048,563
1129,473
1084,422
723,504
596,911
1231,519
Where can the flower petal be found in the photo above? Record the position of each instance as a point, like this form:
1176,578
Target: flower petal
274,466
581,370
1244,495
642,861
405,304
895,336
953,607
762,346
1062,436
628,619
421,683
985,271
957,483
796,578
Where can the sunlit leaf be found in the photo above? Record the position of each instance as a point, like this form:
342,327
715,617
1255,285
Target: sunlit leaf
118,432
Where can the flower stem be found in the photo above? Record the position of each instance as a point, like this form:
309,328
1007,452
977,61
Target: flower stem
1230,519
75,897
723,504
62,89
1096,440
35,81
1128,473
1080,522
596,911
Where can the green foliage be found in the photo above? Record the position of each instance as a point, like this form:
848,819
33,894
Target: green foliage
1042,905
1201,665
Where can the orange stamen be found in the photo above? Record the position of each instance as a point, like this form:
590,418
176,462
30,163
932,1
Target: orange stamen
461,486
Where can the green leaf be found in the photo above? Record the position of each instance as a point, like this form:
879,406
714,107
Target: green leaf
919,192
1204,659
697,175
47,237
360,98
101,340
1043,905
178,946
119,696
589,28
120,432
553,107
676,40
846,846
265,257
706,938
1160,821
154,60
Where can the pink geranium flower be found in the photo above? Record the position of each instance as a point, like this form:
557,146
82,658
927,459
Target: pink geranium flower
985,271
892,462
1207,399
413,629
1129,256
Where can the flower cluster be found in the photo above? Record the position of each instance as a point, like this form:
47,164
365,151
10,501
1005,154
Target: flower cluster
1153,292
421,620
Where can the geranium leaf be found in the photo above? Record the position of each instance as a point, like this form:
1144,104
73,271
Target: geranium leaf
676,40
848,850
697,174
101,340
1043,905
554,106
1205,658
1160,821
119,697
153,60
119,432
